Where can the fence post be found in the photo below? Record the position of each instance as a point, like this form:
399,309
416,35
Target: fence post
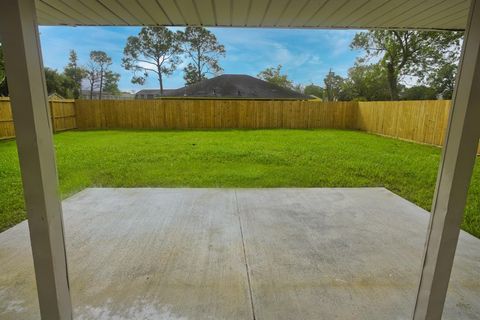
52,115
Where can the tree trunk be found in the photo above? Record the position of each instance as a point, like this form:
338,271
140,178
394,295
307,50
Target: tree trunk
101,85
160,80
91,89
328,90
78,84
392,82
199,71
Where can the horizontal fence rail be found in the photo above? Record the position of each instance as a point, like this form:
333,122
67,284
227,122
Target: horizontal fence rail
62,114
419,121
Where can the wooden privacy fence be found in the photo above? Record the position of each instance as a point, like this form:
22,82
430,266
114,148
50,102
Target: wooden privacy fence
6,122
419,121
424,121
62,114
213,114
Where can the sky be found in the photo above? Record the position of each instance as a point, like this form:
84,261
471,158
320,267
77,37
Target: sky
305,54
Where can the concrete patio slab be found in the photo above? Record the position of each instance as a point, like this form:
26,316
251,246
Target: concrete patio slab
240,254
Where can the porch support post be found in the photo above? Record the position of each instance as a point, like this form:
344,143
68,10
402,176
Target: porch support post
458,159
26,81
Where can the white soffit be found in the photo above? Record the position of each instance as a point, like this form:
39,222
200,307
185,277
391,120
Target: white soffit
337,14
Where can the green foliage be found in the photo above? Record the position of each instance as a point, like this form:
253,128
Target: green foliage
191,74
59,83
97,69
298,87
155,50
202,48
274,75
366,82
111,82
401,53
314,90
2,65
92,76
3,75
101,59
236,158
66,84
334,85
75,73
443,80
420,92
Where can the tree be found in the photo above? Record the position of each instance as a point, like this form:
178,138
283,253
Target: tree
443,80
92,76
74,72
420,92
408,52
100,62
155,50
58,83
273,75
2,65
367,82
333,87
314,90
298,87
202,47
111,82
3,75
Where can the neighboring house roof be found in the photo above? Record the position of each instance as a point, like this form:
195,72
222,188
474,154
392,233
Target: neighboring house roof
155,92
314,97
237,86
55,96
96,92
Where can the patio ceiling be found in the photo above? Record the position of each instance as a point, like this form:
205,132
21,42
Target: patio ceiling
394,14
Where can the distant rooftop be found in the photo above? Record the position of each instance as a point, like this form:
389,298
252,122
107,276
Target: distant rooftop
236,86
155,92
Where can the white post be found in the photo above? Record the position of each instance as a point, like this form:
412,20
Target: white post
456,168
26,82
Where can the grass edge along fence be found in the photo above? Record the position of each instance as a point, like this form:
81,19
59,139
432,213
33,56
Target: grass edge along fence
62,115
423,121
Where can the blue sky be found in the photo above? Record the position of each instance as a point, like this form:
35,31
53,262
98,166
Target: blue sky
306,54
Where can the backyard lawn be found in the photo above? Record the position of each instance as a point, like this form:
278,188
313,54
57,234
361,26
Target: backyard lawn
235,158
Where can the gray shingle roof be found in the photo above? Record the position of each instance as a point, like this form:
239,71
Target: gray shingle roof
154,91
237,86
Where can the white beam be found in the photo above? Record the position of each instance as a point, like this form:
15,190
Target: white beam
456,168
26,81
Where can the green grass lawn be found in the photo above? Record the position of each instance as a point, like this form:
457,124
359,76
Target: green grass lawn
235,158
